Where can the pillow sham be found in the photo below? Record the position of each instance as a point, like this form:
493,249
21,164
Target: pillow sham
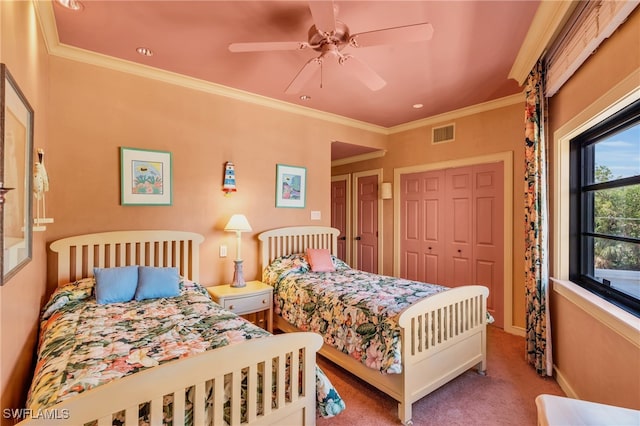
156,282
320,260
116,284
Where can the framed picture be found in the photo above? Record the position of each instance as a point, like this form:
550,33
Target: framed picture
145,177
291,184
16,178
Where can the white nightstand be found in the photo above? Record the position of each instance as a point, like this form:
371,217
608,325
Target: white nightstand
253,302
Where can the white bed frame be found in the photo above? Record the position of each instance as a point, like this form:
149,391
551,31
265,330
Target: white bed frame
442,336
76,258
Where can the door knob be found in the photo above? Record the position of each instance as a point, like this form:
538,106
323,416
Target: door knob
342,238
358,238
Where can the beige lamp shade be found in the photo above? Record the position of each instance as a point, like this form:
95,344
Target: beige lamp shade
238,223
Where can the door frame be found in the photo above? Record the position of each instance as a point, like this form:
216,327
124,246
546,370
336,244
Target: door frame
347,215
354,201
507,158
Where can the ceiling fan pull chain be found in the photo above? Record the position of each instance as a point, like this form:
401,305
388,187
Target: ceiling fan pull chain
321,74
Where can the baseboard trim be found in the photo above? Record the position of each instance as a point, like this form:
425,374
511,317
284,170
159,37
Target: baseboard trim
518,331
564,384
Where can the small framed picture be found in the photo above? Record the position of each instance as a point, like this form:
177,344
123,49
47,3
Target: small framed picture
145,177
291,184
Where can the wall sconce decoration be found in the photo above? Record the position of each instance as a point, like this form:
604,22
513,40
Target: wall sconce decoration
238,224
3,191
229,184
386,191
40,186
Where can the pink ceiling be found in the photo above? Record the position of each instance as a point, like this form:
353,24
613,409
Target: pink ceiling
466,62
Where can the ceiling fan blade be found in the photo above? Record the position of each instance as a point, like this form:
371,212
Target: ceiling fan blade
304,75
324,16
362,71
268,46
404,34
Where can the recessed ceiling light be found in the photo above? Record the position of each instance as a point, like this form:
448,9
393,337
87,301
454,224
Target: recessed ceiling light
144,51
417,106
305,97
71,4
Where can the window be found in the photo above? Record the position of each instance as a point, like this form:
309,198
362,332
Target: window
605,209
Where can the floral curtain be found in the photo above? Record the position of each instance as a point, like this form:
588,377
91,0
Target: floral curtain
538,333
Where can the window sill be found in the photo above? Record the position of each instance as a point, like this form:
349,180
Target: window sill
617,319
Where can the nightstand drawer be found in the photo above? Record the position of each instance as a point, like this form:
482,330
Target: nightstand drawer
253,303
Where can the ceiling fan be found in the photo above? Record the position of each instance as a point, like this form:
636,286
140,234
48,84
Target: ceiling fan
329,36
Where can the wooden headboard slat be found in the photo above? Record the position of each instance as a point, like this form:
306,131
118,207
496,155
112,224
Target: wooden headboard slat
78,255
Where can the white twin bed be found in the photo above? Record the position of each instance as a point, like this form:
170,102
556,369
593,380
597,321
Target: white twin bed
441,336
219,386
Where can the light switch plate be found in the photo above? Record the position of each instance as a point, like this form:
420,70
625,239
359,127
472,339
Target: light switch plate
223,251
316,215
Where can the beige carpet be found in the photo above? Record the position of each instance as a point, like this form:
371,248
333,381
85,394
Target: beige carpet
505,396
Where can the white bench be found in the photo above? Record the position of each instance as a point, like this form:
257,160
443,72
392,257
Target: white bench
560,411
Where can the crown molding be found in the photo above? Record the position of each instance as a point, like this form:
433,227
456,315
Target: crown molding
46,17
458,113
361,157
44,10
547,23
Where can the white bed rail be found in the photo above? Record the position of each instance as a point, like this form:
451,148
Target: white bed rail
443,336
453,313
260,362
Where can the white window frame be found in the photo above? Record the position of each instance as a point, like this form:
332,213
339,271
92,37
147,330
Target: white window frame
620,96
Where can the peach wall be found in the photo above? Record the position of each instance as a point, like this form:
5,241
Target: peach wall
590,357
597,363
85,113
490,132
22,50
98,110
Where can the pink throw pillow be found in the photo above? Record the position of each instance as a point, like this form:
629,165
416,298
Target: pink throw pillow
320,260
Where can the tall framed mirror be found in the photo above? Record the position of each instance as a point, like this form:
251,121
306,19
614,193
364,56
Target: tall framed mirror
16,150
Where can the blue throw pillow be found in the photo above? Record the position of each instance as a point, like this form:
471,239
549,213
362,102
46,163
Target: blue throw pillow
155,282
115,284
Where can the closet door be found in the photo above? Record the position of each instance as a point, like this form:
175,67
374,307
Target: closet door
421,242
488,241
452,229
458,226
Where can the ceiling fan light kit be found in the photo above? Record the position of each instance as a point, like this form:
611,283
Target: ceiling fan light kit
330,36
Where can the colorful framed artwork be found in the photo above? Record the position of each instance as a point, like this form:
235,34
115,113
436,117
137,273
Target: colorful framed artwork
291,184
145,177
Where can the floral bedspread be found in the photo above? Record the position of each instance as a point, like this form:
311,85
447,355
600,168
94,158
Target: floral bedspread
356,312
84,344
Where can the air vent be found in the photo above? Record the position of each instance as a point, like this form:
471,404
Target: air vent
443,134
